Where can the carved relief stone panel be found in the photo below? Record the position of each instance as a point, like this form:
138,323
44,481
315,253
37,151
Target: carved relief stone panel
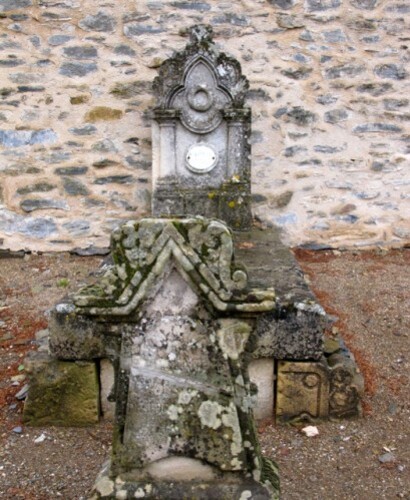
302,391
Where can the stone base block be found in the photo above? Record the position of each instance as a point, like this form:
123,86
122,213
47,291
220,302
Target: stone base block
228,488
261,373
346,387
73,336
332,387
231,203
61,393
107,389
302,391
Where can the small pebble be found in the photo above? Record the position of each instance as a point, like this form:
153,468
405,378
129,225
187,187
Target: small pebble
22,392
40,438
392,408
18,429
310,431
386,458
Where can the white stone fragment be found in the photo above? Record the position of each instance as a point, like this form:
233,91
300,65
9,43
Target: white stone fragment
105,486
181,469
261,373
64,308
311,431
40,438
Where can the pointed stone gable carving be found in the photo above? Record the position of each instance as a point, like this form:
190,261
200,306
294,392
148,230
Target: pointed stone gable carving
201,250
225,69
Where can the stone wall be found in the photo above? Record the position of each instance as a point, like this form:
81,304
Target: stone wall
329,97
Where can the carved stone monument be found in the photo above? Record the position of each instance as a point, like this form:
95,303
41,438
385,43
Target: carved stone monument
184,322
201,154
175,334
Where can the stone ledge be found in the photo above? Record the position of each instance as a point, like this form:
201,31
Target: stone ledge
228,488
295,329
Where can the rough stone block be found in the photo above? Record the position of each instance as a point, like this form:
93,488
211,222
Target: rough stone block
346,386
167,202
295,329
107,387
302,391
201,202
73,337
261,373
61,393
235,206
295,334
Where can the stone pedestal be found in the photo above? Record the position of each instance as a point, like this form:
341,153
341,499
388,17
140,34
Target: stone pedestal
292,331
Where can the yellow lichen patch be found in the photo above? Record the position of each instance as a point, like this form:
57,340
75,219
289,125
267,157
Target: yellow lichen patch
103,113
79,99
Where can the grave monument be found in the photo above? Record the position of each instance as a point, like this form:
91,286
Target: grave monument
176,334
201,155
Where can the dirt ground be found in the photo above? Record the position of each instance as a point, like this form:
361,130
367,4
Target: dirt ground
367,458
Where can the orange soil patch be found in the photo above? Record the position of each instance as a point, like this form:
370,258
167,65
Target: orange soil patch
368,371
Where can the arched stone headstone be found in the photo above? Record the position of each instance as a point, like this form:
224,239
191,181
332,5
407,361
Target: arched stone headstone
201,153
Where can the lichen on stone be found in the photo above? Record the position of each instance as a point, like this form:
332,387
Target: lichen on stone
203,252
209,414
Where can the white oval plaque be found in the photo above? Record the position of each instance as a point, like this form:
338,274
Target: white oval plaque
201,158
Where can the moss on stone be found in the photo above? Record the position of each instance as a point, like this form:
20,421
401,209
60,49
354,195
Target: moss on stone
62,393
270,475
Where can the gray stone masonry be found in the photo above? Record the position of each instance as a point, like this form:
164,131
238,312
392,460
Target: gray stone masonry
329,88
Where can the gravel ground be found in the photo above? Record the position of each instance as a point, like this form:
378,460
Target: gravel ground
367,458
